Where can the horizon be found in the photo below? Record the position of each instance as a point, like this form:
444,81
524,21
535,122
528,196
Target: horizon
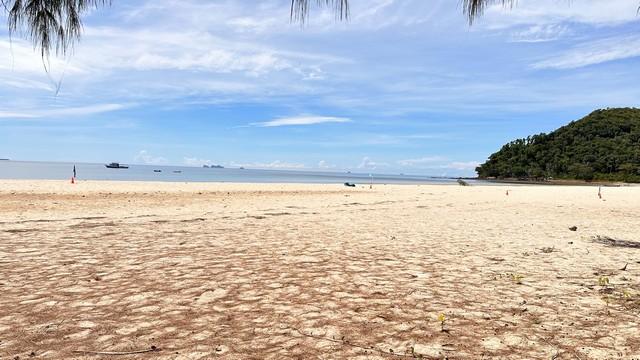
310,170
403,87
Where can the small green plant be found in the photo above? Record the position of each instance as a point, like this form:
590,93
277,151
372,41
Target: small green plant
603,281
516,278
442,319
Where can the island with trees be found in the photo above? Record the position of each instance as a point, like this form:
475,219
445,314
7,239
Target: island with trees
603,146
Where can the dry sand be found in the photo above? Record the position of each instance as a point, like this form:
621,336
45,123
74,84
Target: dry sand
239,271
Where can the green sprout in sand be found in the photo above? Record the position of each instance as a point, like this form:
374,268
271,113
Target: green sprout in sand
603,281
517,278
442,319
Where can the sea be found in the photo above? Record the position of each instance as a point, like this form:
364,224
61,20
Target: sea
88,171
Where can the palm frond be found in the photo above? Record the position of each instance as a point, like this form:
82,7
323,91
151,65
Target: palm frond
474,8
49,24
300,9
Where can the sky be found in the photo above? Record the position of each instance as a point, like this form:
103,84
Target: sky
405,86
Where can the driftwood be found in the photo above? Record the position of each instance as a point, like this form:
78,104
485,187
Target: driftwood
605,240
117,353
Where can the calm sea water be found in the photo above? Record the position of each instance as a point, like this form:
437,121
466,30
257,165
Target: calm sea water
61,171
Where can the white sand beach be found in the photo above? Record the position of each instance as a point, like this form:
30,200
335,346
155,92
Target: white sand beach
257,271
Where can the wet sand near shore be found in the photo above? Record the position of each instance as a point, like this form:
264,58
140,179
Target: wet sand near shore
279,271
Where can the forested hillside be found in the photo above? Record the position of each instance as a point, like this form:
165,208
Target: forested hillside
605,145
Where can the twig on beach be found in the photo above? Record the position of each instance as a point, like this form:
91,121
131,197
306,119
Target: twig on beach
605,240
116,353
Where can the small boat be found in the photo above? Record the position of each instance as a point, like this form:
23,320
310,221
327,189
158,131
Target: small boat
158,171
115,165
177,171
241,168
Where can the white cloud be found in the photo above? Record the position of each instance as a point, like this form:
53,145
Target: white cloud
277,164
542,12
595,52
540,33
63,111
22,83
457,165
322,164
194,161
421,161
301,120
146,158
368,164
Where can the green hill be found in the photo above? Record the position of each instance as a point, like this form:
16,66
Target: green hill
605,145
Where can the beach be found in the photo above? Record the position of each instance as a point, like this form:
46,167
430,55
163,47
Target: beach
306,271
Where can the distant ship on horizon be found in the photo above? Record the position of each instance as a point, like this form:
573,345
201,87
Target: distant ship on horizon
115,165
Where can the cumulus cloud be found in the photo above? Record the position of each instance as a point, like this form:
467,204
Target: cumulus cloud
301,120
146,158
194,161
322,164
421,161
368,164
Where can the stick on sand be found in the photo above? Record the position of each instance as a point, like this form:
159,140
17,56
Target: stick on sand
115,353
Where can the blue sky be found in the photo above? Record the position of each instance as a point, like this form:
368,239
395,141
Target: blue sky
405,86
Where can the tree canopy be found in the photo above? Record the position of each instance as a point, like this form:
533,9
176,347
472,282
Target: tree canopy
605,145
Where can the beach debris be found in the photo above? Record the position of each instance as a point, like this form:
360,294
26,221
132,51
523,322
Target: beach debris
507,192
605,240
624,268
573,228
151,349
348,184
548,250
462,182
